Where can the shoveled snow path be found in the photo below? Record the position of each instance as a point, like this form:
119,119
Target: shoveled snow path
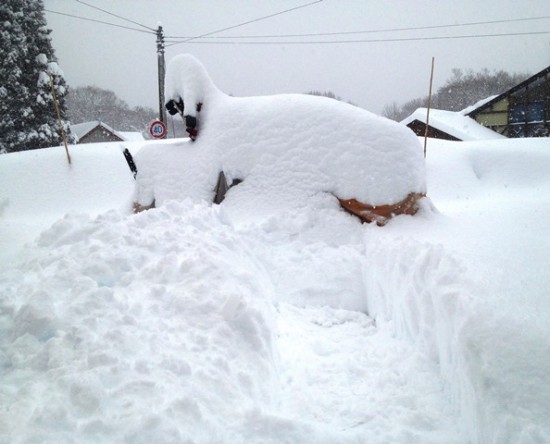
339,369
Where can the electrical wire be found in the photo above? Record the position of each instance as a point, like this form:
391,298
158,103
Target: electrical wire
114,15
245,23
151,30
371,31
404,39
98,21
235,40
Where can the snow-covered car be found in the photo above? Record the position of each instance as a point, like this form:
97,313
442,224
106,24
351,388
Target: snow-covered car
280,148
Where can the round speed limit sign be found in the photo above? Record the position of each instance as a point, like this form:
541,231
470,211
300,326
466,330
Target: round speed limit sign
158,129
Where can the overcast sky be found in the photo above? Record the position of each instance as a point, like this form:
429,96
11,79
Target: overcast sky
374,70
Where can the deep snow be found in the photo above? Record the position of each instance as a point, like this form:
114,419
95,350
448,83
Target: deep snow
181,323
286,322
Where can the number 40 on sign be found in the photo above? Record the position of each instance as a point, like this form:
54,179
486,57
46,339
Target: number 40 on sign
158,129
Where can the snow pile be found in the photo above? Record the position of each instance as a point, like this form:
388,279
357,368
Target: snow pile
178,325
158,347
287,321
298,145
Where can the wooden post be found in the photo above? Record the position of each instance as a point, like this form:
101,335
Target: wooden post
429,106
59,119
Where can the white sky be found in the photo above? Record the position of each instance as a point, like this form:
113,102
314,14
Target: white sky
370,74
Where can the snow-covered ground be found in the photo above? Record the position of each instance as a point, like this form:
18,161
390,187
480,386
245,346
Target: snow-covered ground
284,320
181,325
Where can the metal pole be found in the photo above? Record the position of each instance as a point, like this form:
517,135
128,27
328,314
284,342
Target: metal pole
161,73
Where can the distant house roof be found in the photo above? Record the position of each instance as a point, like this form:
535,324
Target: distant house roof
448,125
131,136
95,131
522,111
477,109
478,104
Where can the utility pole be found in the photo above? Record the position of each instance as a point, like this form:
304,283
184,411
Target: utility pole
161,73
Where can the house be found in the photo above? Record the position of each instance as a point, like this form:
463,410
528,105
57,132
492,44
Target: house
92,132
448,125
522,111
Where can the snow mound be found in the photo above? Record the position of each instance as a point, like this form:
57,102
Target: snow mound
285,148
130,310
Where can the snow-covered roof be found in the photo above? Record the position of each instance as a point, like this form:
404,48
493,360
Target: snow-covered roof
538,77
80,130
453,123
476,105
131,136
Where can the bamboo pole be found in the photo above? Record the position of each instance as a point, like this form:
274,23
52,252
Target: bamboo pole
60,122
429,106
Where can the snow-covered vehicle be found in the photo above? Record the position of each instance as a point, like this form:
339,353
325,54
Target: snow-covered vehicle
281,147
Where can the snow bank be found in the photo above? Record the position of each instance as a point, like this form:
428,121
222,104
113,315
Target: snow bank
152,338
482,317
284,147
420,291
38,187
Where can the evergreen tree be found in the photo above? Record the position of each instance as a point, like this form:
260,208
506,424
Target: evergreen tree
28,119
12,91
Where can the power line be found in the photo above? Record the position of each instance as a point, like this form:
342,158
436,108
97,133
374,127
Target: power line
371,31
97,21
115,15
404,39
246,23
